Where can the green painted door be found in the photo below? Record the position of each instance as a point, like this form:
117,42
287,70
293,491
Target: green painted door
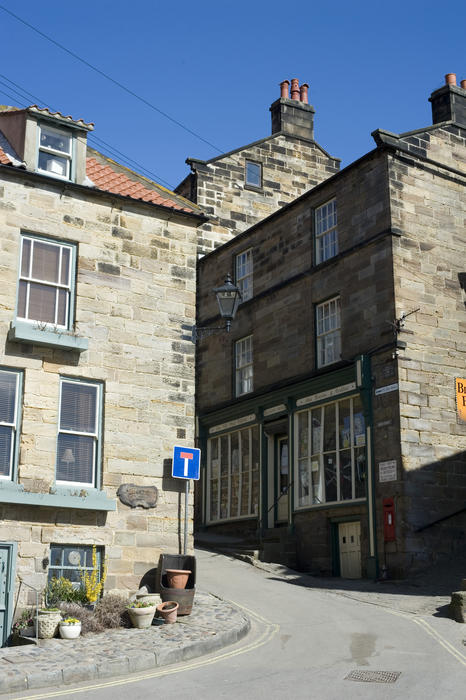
6,552
282,479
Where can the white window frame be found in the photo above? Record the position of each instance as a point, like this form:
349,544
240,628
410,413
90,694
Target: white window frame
13,425
326,232
248,474
57,570
316,483
95,434
66,155
328,332
68,286
247,181
244,274
244,372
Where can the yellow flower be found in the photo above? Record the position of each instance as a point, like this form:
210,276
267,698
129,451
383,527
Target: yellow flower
91,581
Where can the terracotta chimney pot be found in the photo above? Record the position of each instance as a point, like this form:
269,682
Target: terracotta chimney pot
450,79
303,93
295,89
463,84
284,89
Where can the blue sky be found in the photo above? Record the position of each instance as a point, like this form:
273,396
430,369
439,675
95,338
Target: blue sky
215,66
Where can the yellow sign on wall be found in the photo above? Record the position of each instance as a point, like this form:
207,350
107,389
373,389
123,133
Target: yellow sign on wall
461,399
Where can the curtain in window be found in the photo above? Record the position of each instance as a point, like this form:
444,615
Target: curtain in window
77,452
8,383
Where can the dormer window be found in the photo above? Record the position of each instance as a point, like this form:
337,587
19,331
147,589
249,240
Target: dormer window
55,151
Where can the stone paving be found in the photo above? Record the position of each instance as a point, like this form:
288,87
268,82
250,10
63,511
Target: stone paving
212,625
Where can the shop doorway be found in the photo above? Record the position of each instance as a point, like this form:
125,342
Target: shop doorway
282,475
349,544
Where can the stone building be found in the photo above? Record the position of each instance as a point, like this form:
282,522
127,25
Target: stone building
332,416
97,269
239,188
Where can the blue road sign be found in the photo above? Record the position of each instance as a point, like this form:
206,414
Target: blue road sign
186,461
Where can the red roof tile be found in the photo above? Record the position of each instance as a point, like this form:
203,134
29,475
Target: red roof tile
105,178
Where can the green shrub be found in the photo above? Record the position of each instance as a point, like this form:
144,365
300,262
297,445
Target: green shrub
61,590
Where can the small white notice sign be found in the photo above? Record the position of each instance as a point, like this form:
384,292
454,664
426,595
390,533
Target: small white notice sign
387,470
386,389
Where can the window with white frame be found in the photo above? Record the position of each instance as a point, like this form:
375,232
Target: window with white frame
330,453
253,173
328,332
78,432
45,292
9,412
55,152
244,274
233,475
244,367
71,560
326,234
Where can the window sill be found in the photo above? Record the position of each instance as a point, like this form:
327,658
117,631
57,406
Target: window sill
21,332
253,188
58,497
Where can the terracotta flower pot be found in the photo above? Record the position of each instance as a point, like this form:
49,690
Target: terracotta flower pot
177,578
169,611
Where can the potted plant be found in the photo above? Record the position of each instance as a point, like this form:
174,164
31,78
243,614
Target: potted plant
47,622
141,614
24,625
169,611
152,598
70,628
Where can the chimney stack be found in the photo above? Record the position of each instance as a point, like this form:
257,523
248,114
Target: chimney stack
449,101
293,114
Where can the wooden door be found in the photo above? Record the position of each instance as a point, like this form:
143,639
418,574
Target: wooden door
349,540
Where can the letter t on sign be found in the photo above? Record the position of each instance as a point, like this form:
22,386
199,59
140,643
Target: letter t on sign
186,456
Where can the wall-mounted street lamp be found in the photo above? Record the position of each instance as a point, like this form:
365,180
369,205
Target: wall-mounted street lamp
228,298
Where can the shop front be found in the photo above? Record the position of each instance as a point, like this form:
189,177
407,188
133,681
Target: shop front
297,458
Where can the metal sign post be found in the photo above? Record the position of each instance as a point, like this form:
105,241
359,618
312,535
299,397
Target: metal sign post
186,465
186,495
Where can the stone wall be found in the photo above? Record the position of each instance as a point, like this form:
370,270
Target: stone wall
287,286
429,207
290,167
135,292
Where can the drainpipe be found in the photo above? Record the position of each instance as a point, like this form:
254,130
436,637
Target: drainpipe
364,384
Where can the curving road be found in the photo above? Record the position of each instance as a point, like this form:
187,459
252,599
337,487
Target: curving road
303,643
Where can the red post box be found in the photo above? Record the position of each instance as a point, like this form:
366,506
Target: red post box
389,520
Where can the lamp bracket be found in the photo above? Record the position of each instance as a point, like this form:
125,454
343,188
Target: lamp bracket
200,332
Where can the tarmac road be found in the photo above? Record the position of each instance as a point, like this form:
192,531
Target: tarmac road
303,643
